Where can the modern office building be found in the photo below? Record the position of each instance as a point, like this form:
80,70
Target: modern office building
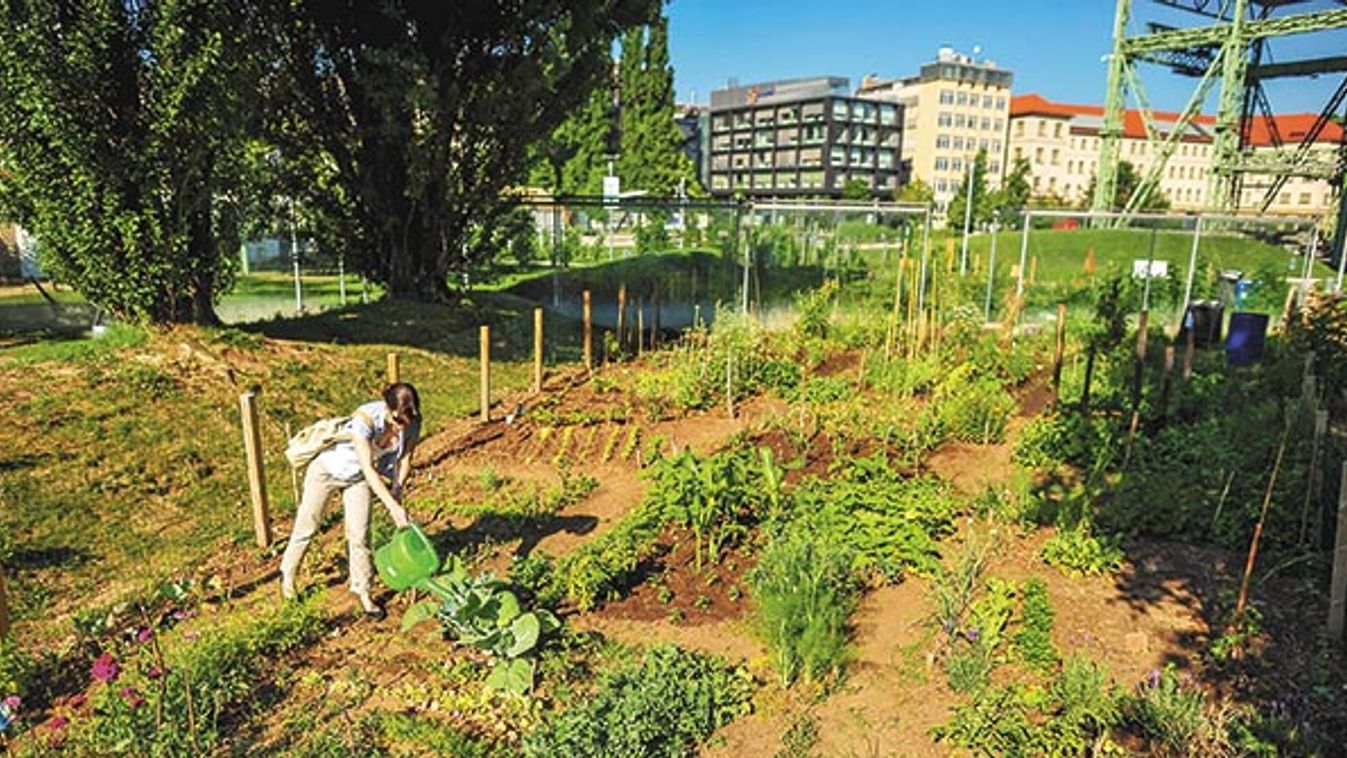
802,137
1061,143
956,106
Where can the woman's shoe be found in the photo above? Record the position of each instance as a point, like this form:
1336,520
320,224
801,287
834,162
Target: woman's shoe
373,611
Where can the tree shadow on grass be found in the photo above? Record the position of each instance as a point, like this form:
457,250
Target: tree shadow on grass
451,329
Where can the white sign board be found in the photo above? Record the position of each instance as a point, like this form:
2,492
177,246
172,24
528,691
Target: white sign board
612,188
1158,269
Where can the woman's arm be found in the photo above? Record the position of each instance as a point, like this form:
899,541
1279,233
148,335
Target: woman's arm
404,469
365,455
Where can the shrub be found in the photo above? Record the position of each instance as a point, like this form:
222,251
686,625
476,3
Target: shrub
804,593
662,707
973,408
1169,710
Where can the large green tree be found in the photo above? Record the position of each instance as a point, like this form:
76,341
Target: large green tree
122,124
428,111
1128,179
574,159
652,156
1013,194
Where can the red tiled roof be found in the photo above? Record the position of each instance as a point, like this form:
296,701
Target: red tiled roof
1292,126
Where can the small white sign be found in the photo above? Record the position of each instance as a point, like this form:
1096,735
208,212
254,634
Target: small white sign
612,188
1158,269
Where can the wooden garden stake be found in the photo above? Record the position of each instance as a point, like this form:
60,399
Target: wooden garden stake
484,343
621,317
1312,491
589,334
1060,352
257,482
537,350
640,327
1337,594
892,335
393,373
654,327
1033,269
1258,530
4,605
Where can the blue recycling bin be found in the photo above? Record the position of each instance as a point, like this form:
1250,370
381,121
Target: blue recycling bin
1246,337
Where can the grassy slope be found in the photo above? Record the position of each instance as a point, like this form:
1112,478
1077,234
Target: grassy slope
122,464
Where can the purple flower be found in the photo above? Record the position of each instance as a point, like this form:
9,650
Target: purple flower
972,633
181,615
145,635
132,697
13,703
106,669
1153,679
154,672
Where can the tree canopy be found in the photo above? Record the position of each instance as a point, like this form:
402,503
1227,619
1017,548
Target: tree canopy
428,112
122,126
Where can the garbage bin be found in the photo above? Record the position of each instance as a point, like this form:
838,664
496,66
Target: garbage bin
1248,333
1204,318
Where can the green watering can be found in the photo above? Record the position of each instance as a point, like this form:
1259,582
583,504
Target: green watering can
408,560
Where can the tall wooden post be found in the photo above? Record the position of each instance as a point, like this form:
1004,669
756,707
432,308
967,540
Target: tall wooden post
537,350
4,605
1166,381
640,327
1337,594
257,482
394,375
1311,521
484,366
1060,352
622,317
589,334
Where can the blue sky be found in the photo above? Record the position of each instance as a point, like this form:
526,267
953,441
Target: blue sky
1054,47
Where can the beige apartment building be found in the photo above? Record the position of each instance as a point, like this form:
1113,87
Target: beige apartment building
1061,143
955,107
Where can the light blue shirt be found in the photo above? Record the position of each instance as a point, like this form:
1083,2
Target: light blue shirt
340,460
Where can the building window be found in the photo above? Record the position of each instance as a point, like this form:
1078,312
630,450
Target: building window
1042,128
1285,198
958,143
942,142
986,124
982,144
1038,155
1000,124
941,164
963,98
960,121
839,110
994,167
944,119
1000,103
996,146
956,164
1019,128
1057,131
1304,198
946,97
988,102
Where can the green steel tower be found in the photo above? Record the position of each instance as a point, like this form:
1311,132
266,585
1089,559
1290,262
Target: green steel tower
1226,50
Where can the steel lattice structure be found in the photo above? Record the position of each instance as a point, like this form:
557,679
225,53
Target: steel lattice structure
1225,53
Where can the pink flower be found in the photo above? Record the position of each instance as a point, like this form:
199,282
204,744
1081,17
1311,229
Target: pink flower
78,700
145,635
183,615
57,723
13,703
132,697
154,672
106,669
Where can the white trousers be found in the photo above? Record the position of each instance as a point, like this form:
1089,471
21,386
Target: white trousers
355,497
